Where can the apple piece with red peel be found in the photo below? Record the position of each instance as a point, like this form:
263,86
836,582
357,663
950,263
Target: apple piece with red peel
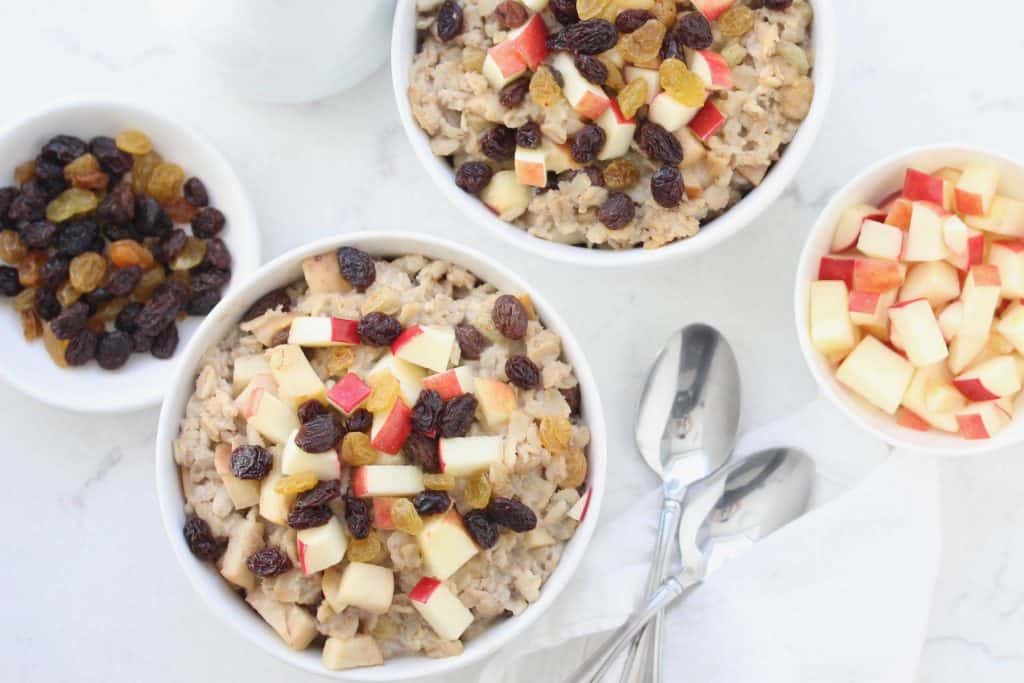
848,230
942,397
1008,257
950,174
712,69
247,367
445,545
632,73
497,400
876,373
294,460
919,331
440,608
382,512
915,398
505,195
244,493
936,281
981,296
879,240
531,166
870,311
837,268
351,653
530,41
965,246
587,99
348,393
247,402
925,238
911,420
503,64
951,319
321,547
712,9
670,113
873,275
900,213
536,5
369,587
297,381
994,379
391,429
410,377
323,274
920,186
428,346
370,481
976,188
579,510
323,331
264,411
832,330
1006,217
1011,325
467,455
885,206
618,132
982,420
558,157
707,121
451,383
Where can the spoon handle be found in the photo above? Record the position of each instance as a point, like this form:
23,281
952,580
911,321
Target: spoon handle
598,663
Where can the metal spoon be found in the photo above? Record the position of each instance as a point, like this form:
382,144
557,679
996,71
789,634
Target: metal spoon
685,430
727,515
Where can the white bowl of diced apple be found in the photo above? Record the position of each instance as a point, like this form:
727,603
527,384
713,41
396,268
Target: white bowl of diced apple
908,300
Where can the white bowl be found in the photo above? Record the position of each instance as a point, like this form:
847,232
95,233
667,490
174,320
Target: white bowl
283,270
144,379
870,187
403,49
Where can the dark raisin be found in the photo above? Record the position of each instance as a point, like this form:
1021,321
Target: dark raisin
449,20
203,302
112,160
200,540
556,42
483,531
564,11
667,186
113,350
118,207
207,279
9,194
123,280
359,421
357,267
39,234
217,255
659,144
778,5
98,297
357,516
172,288
268,562
55,271
10,285
82,347
557,75
158,312
528,135
71,320
511,14
511,514
76,238
630,20
165,343
457,416
573,397
309,517
378,329
513,94
431,502
28,205
591,37
694,31
499,143
671,48
319,434
473,176
510,317
422,450
426,411
587,143
150,218
310,409
170,245
64,149
195,192
46,305
472,342
141,343
48,170
208,222
276,299
251,462
321,494
522,372
127,319
617,211
592,69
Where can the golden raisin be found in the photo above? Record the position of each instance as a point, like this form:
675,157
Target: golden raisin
125,253
643,45
364,549
339,360
734,54
84,164
12,247
71,202
180,210
632,97
30,269
621,174
295,483
165,182
385,389
614,79
681,84
133,142
405,517
87,271
108,310
31,326
356,449
665,12
737,21
555,433
575,470
591,9
544,89
67,295
438,482
142,169
55,347
191,255
151,279
26,172
478,491
25,299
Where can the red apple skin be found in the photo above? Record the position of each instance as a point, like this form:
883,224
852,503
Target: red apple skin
899,214
924,187
707,121
974,390
712,9
972,427
344,330
446,384
986,276
348,393
507,58
407,335
864,302
422,591
911,420
592,106
885,206
617,113
586,506
834,268
359,482
395,431
252,404
532,42
530,173
870,275
969,203
721,74
382,513
300,549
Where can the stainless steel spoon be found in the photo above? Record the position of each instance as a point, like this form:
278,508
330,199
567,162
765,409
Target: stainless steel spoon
685,430
725,516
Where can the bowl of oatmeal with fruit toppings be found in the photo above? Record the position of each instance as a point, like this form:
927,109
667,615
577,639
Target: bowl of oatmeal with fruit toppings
391,448
635,129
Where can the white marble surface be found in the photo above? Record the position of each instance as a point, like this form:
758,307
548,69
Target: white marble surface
93,592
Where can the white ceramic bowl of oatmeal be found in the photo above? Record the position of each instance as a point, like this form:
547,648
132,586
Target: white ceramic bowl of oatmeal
224,599
663,236
871,187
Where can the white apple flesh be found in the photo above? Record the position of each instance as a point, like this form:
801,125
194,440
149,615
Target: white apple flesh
468,455
440,608
919,331
876,373
444,545
386,480
321,547
428,346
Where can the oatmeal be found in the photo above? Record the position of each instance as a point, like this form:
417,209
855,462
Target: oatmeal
611,123
385,457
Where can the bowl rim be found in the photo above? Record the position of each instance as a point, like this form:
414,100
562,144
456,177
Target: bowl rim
171,500
732,221
143,396
894,435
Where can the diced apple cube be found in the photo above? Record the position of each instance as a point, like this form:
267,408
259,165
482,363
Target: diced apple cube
451,383
467,455
536,5
837,268
951,319
874,275
899,213
245,538
712,9
321,547
244,493
879,240
870,311
294,460
369,587
245,368
531,166
976,188
942,397
558,157
994,379
323,331
1005,217
323,274
530,41
440,608
587,99
445,545
1011,325
925,241
848,230
267,414
409,376
350,653
936,281
386,480
919,330
505,196
497,400
297,381
707,121
382,512
980,297
965,246
832,330
982,420
618,132
348,393
670,113
428,346
274,506
920,186
911,420
1008,257
877,373
503,64
390,429
712,69
916,396
538,538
